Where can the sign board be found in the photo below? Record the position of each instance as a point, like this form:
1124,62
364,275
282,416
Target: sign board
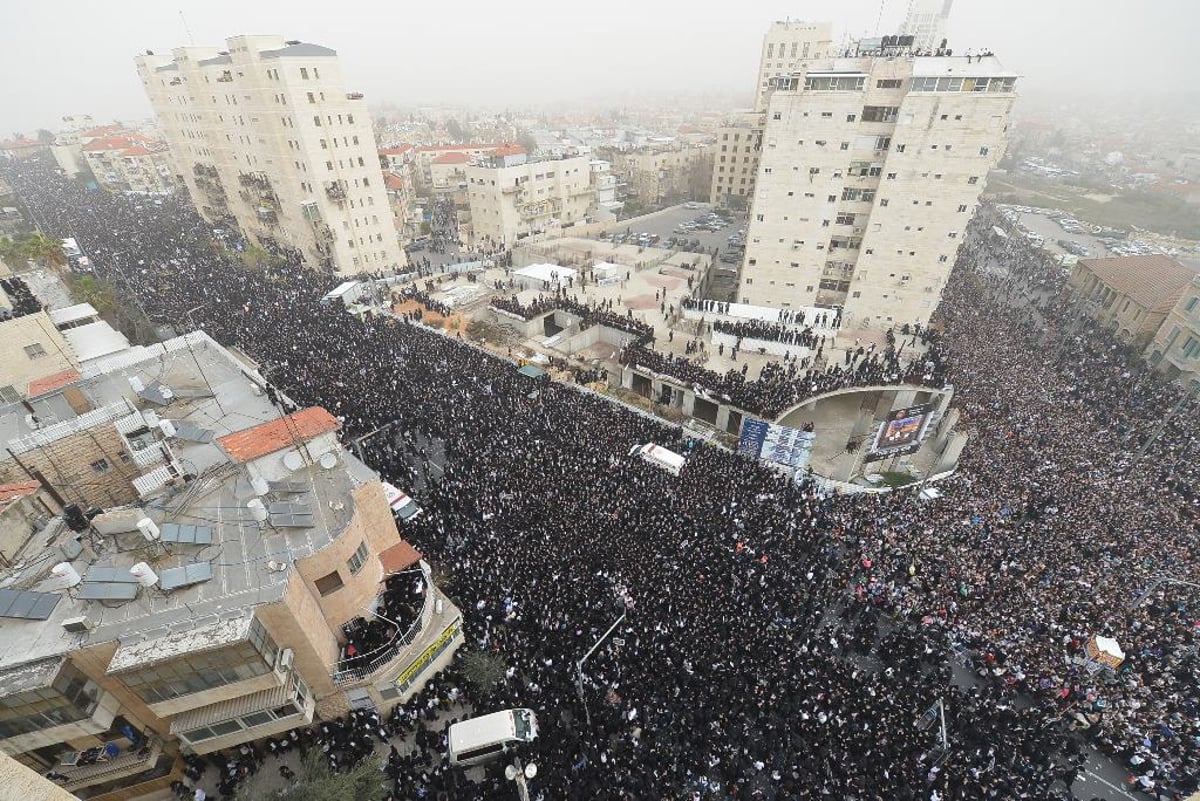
903,432
772,442
408,677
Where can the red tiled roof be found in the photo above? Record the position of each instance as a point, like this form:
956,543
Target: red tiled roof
17,144
451,158
1154,282
399,557
49,383
508,150
11,493
136,150
398,150
250,444
392,181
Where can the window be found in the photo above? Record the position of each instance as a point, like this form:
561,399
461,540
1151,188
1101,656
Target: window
317,120
758,217
349,119
359,558
888,83
851,117
891,176
1191,304
9,394
100,466
35,351
899,148
311,98
962,207
316,74
777,115
331,582
953,234
942,259
304,73
974,179
845,146
983,151
883,201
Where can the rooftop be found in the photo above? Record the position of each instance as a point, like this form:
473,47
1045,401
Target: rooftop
216,405
252,443
11,493
302,50
1153,281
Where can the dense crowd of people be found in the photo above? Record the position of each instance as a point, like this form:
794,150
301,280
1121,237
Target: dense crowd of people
20,296
767,332
589,314
781,386
777,643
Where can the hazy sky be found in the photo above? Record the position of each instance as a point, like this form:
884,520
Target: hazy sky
76,56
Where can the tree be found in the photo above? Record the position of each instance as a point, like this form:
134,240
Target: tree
315,781
100,294
483,670
45,137
525,139
455,130
36,247
256,258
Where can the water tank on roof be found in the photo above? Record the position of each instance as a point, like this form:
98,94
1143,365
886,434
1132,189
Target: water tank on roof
144,574
257,510
167,428
136,383
67,572
328,460
259,485
293,461
149,529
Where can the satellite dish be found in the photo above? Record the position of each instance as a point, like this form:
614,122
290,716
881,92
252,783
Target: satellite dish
257,510
328,460
293,461
259,485
510,772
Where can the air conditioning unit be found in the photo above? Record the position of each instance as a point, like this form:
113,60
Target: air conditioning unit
286,657
77,625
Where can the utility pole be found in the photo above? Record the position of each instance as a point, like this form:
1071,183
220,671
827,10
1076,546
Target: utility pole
579,666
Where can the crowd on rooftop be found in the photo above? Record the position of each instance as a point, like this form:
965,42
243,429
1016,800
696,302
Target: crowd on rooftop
778,643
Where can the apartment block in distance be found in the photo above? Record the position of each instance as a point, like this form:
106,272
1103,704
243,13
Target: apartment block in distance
735,167
265,136
871,168
511,202
202,602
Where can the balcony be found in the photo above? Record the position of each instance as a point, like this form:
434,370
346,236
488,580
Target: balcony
249,717
398,623
104,764
335,192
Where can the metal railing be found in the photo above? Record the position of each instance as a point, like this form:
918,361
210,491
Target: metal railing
386,653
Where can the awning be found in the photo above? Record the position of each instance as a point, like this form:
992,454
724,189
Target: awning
399,558
531,371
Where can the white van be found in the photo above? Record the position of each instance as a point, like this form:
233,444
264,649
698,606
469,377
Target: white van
659,456
403,506
481,739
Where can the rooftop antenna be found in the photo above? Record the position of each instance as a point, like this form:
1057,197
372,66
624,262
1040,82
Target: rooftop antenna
186,29
878,18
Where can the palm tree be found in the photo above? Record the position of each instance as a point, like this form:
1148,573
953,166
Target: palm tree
47,252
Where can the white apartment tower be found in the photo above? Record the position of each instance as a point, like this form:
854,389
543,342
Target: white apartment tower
871,168
264,133
785,47
926,23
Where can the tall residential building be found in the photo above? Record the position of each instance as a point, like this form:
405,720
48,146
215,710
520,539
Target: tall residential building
870,171
926,23
511,202
739,144
785,47
264,133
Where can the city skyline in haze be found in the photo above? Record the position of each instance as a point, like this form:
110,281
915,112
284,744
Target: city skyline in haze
537,53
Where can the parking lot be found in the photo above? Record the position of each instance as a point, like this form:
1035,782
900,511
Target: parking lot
664,225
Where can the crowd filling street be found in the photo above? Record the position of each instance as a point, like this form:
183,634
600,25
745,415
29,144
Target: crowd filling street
778,643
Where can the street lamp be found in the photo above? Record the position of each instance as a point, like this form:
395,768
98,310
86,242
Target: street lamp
521,774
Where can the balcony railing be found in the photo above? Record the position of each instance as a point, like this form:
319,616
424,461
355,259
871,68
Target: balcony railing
390,651
109,768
